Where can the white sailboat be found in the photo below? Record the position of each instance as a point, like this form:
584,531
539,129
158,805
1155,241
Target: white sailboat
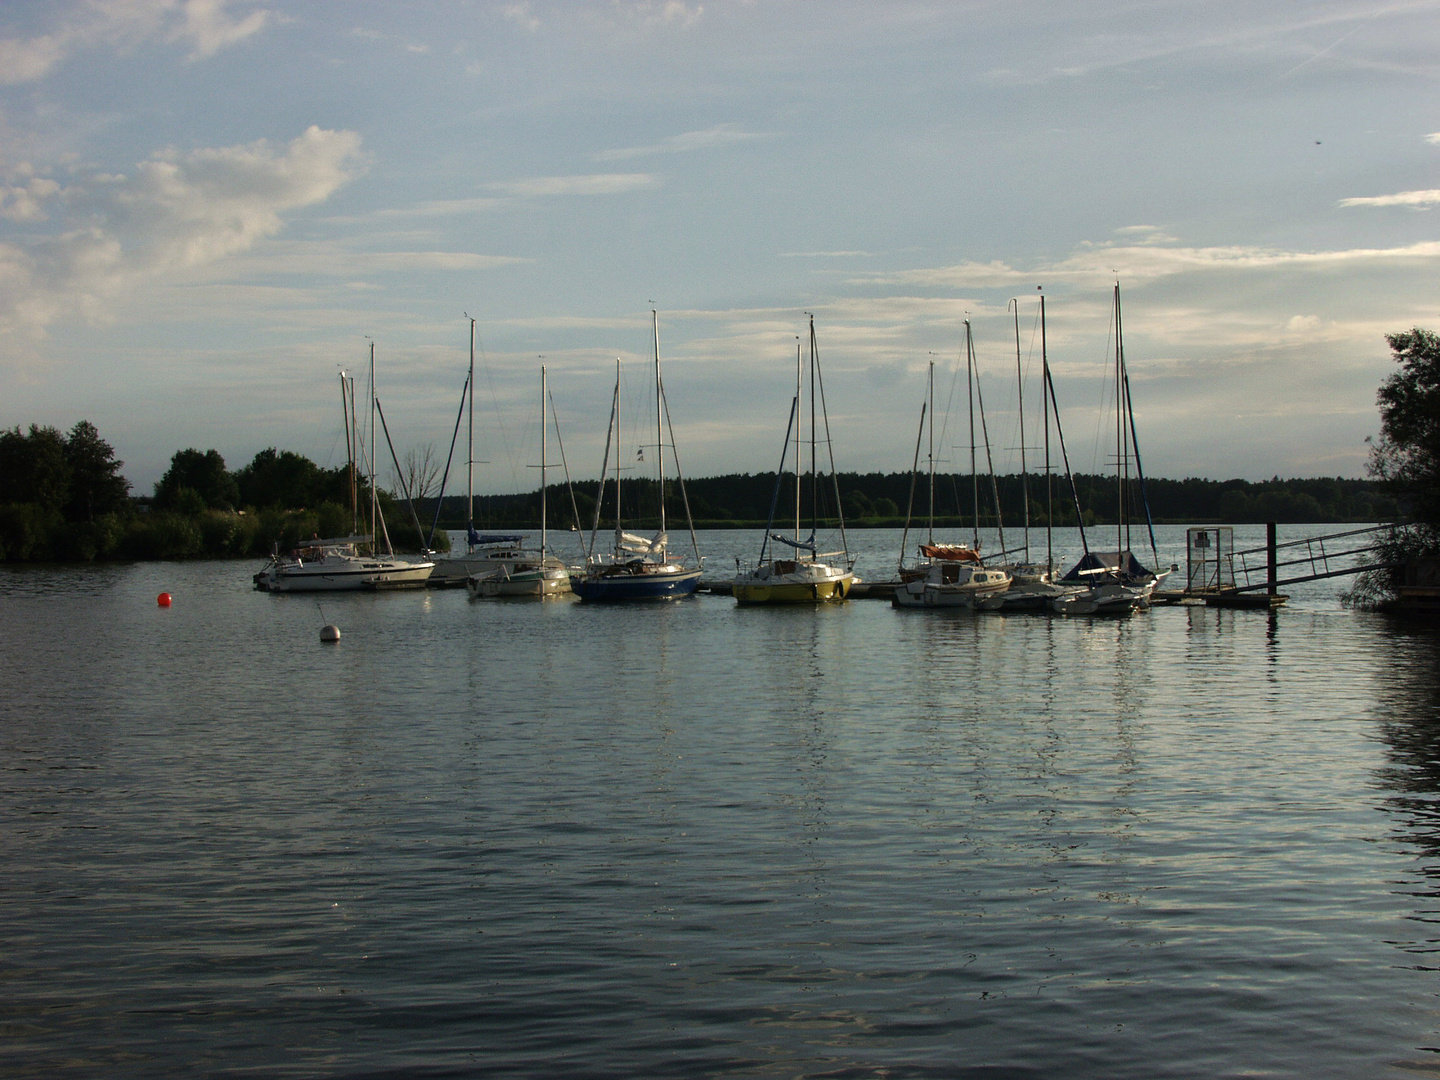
483,552
637,568
947,575
806,577
1116,582
521,571
339,564
1032,588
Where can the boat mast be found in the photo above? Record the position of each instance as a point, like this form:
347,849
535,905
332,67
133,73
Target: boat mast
974,475
799,436
544,441
659,433
349,450
1020,408
617,458
814,459
1049,476
374,501
1121,458
470,445
930,407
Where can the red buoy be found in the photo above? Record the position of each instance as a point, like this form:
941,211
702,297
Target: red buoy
163,599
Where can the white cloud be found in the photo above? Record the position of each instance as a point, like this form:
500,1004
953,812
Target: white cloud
719,135
23,203
1151,263
642,13
1403,198
206,26
175,212
1433,138
599,184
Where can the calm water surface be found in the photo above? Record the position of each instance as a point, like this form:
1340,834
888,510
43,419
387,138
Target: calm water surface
691,840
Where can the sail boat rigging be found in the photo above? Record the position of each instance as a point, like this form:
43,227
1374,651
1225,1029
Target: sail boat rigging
337,564
636,568
521,571
1116,581
951,575
805,577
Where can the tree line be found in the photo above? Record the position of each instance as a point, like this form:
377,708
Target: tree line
63,499
890,499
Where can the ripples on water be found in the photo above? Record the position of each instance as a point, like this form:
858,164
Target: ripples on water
513,839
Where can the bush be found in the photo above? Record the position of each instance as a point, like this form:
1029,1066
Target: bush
163,536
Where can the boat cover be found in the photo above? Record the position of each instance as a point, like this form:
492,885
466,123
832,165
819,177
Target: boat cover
957,552
476,539
802,545
1094,563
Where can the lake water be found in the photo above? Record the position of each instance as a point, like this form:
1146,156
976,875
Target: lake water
689,840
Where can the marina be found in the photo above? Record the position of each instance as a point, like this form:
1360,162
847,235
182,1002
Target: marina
702,839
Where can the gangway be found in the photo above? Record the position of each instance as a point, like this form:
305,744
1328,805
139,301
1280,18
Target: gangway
1213,567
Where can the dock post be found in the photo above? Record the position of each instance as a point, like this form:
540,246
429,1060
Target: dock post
1270,576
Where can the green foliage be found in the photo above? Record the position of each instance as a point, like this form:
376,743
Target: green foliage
1405,459
203,476
25,531
280,478
881,498
1406,456
34,468
163,535
96,486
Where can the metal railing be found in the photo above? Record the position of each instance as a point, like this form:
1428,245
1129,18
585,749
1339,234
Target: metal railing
1320,554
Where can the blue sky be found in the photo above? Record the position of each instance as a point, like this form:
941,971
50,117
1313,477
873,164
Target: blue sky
208,208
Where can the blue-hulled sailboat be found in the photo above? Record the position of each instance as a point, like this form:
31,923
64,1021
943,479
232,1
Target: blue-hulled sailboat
637,568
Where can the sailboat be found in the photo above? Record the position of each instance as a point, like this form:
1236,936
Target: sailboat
804,577
948,575
523,572
637,568
1031,586
338,564
1116,582
483,552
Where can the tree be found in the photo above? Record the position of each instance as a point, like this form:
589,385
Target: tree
1406,456
96,486
34,468
1406,460
203,473
420,473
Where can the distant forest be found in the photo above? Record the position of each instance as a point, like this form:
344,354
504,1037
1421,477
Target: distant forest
62,498
882,499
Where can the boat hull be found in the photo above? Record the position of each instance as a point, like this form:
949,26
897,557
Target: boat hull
951,586
802,583
320,578
1103,600
552,581
609,587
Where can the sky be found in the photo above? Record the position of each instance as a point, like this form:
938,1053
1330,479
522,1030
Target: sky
209,209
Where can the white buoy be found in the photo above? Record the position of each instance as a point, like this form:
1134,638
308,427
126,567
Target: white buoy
329,633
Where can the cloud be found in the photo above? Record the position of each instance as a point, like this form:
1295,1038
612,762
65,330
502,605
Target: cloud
1433,138
206,26
1403,198
23,203
1151,263
600,184
176,212
719,135
644,14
